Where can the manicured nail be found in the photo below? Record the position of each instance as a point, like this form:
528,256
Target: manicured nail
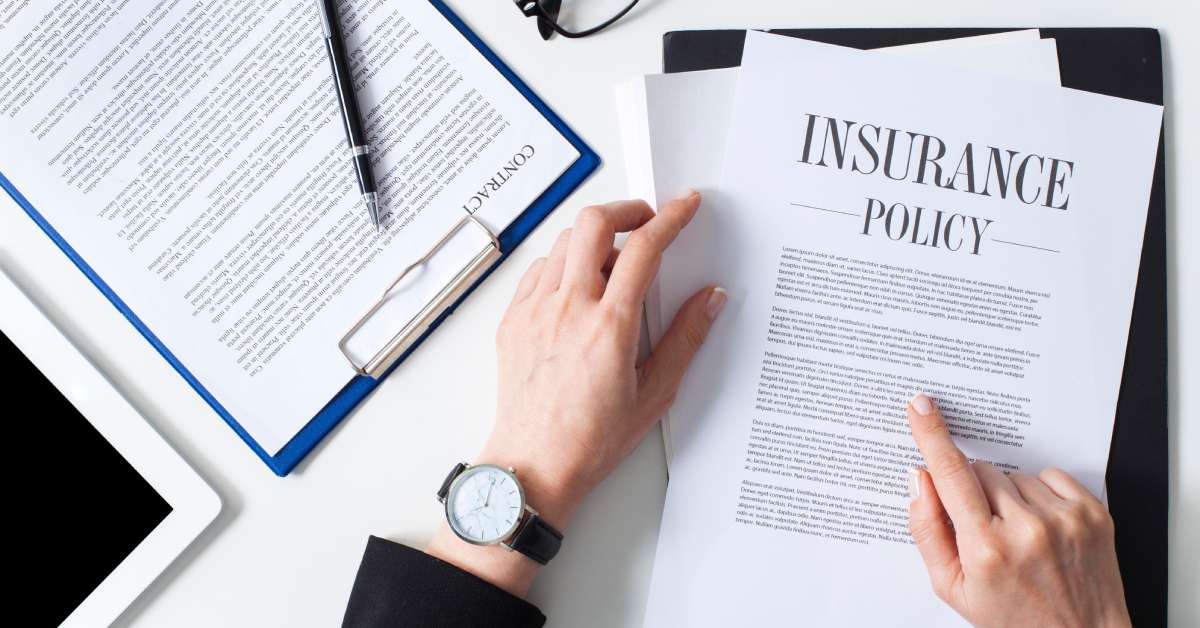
914,484
922,404
716,303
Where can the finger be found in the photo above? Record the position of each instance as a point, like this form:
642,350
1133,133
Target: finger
1003,497
663,370
606,269
1066,486
552,272
530,280
956,483
640,259
934,535
1036,493
592,240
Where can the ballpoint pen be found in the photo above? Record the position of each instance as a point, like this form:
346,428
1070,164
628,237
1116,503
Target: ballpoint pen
343,83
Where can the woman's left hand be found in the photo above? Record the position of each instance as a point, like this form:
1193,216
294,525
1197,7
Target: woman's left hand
573,399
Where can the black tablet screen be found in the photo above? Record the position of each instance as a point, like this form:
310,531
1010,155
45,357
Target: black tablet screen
86,507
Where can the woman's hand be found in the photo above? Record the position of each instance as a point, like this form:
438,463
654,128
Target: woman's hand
1010,550
573,400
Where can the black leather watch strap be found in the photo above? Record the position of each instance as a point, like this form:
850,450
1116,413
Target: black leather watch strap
537,539
454,473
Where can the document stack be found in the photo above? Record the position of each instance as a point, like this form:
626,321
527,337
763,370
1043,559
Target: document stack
944,218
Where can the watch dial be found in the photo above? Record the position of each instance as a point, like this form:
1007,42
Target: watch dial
484,504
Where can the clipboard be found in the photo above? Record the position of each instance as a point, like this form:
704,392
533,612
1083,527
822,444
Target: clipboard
410,335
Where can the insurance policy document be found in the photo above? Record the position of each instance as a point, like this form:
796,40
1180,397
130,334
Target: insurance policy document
192,153
665,155
883,227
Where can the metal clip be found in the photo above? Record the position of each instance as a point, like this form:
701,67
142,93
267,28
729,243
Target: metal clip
418,324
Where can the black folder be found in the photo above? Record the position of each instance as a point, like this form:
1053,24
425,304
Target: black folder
1122,62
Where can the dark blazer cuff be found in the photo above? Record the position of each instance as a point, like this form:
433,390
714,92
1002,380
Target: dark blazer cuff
397,585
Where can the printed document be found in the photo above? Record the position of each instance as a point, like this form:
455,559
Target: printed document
192,153
886,226
665,155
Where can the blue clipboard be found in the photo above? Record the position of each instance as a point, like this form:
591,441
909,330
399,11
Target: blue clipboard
344,402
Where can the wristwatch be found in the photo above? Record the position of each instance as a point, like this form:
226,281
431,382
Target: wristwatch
485,505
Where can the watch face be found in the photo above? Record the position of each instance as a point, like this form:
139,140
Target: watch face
485,505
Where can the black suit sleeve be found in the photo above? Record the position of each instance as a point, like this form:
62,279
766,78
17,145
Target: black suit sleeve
397,585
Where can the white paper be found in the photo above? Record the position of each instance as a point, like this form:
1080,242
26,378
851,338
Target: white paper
788,492
192,153
664,111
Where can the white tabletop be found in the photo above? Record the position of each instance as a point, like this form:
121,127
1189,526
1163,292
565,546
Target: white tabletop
284,551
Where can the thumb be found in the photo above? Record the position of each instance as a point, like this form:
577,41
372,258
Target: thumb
934,535
663,371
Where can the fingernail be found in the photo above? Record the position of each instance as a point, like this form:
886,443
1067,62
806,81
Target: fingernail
922,404
691,193
914,484
716,303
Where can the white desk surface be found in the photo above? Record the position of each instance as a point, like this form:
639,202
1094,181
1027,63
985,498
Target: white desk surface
284,551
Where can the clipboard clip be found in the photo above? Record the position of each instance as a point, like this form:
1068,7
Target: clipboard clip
419,323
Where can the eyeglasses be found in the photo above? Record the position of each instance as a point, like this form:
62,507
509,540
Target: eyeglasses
547,14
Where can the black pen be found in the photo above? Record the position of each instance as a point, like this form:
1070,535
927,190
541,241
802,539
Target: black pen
343,83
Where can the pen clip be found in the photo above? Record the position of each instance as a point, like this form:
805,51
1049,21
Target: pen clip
326,21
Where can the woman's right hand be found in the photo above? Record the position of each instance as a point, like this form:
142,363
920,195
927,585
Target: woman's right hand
1010,550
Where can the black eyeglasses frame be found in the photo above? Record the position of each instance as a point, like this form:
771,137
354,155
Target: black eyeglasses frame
546,12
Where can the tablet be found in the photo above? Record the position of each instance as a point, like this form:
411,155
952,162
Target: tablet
107,502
